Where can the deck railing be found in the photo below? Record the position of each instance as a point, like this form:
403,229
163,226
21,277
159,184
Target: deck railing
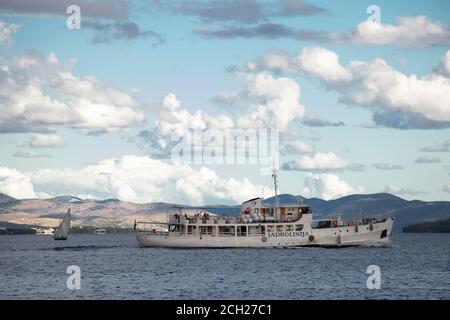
336,222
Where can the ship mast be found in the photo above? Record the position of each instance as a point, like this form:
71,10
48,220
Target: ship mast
274,176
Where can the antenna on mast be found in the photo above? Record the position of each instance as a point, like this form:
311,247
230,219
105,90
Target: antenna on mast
274,176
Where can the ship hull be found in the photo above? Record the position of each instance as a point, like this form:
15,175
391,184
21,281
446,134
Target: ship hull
377,234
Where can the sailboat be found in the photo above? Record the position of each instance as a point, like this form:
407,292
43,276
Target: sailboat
63,230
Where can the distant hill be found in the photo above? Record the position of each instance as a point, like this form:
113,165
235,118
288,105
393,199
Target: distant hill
6,199
13,228
108,213
116,213
441,226
66,199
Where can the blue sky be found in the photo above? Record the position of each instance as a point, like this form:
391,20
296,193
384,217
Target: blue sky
195,67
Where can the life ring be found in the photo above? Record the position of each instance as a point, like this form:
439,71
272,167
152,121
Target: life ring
311,238
264,239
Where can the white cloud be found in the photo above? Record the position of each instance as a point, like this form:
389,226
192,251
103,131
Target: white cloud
175,122
7,30
312,61
322,63
377,83
270,103
441,147
427,160
30,155
387,166
313,121
315,136
402,191
396,99
327,186
38,93
103,9
318,161
295,147
276,61
45,141
143,179
15,184
407,31
418,31
444,65
275,102
446,188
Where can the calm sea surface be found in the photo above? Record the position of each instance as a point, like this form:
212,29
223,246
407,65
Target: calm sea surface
416,266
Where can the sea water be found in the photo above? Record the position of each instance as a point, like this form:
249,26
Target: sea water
113,266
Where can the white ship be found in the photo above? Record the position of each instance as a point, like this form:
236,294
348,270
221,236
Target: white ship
261,225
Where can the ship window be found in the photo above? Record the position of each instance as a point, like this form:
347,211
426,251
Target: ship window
299,227
256,210
280,227
223,230
304,210
270,228
289,228
242,231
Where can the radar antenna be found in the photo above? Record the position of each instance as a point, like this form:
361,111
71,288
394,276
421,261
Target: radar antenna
275,184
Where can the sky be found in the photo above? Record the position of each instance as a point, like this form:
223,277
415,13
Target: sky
359,97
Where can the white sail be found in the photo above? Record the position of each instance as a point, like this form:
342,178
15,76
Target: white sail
63,229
